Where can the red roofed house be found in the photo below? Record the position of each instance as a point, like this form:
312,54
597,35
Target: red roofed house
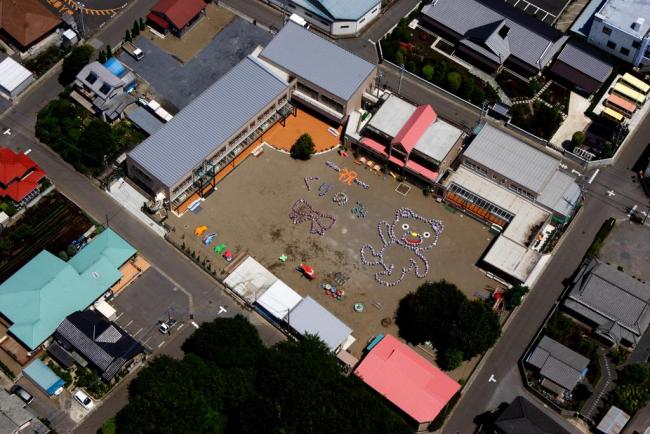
24,23
175,16
406,379
412,139
20,176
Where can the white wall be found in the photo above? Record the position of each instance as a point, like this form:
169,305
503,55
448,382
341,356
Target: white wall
335,28
621,38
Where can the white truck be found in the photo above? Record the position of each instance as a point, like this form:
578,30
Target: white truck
134,51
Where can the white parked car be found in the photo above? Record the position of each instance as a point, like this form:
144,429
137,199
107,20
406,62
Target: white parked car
84,399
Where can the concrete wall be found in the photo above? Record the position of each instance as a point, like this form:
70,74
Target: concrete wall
620,37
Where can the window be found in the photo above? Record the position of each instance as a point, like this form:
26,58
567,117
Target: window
345,27
611,45
625,51
636,44
105,88
607,30
361,20
374,10
92,77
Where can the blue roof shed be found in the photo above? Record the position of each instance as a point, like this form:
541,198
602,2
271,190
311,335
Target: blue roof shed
115,67
43,377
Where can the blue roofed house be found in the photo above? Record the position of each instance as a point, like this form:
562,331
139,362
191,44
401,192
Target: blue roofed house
336,17
39,296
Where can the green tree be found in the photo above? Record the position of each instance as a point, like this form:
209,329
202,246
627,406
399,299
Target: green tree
467,89
427,72
101,57
454,81
127,36
135,30
630,397
400,56
577,139
97,143
141,23
227,342
513,296
6,244
637,373
303,148
440,74
475,329
74,62
426,314
411,66
109,52
449,359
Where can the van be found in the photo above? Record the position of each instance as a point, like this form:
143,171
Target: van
299,20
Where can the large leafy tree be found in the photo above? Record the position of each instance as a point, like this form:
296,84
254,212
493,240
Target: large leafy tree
228,342
97,143
76,60
438,312
303,147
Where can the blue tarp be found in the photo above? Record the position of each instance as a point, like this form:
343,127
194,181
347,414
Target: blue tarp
43,377
115,67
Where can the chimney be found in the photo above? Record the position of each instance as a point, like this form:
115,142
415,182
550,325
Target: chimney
638,23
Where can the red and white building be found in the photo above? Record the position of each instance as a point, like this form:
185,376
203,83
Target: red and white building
407,380
411,139
175,16
20,176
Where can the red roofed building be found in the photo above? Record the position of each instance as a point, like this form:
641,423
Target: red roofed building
407,380
20,176
411,139
175,16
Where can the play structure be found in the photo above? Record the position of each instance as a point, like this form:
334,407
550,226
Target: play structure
220,248
207,240
200,230
307,271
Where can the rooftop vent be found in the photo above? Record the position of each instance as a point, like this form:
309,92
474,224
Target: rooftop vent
638,23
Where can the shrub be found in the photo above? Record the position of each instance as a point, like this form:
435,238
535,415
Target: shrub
454,80
303,148
577,139
514,295
427,72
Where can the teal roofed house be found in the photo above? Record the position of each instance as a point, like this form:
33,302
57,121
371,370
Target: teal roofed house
337,17
39,296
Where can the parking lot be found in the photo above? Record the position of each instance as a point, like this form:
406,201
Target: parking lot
177,84
148,300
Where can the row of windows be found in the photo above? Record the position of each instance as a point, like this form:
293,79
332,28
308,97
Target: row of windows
478,201
521,191
476,167
612,45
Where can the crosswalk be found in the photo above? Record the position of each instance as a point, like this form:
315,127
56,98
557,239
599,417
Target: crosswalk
70,7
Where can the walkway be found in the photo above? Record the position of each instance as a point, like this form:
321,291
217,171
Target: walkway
604,386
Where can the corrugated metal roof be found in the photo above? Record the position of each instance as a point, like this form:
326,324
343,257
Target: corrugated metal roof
438,139
309,317
207,122
561,194
613,422
145,120
306,55
506,155
580,58
391,116
12,74
338,9
528,39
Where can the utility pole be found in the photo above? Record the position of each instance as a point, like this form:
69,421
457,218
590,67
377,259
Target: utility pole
80,9
401,76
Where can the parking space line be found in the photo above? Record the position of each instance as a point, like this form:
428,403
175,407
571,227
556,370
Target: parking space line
119,316
148,339
161,344
138,332
128,324
180,326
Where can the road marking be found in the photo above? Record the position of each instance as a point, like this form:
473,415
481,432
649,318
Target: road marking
148,339
119,316
138,332
492,379
27,151
128,324
180,326
222,309
161,344
195,325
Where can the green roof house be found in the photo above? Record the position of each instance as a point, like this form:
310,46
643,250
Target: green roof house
39,296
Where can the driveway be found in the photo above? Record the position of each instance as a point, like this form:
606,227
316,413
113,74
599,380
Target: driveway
177,83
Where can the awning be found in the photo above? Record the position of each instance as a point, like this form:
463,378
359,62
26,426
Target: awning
381,149
419,169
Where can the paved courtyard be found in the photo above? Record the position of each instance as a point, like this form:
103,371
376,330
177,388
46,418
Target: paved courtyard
250,212
176,83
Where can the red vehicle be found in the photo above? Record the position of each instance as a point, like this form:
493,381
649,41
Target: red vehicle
227,256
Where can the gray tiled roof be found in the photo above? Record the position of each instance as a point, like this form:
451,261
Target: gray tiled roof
618,304
13,413
304,54
504,154
558,363
524,417
207,122
583,60
309,317
561,194
528,39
